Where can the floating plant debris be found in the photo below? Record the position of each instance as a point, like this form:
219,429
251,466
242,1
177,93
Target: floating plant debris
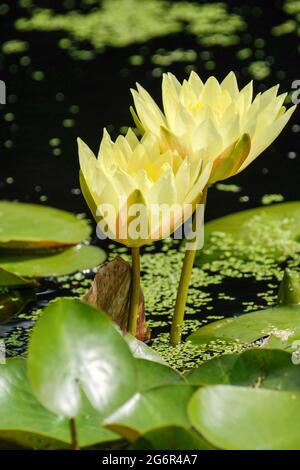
110,292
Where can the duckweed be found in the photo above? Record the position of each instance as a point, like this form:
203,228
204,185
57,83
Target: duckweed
111,24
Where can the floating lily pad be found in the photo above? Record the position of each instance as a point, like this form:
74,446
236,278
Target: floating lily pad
30,226
141,351
278,326
257,368
241,418
10,280
75,348
171,438
153,374
68,261
253,234
24,421
14,301
160,407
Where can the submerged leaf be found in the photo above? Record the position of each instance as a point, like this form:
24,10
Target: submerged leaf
13,302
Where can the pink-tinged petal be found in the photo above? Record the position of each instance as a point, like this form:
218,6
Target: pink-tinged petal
230,161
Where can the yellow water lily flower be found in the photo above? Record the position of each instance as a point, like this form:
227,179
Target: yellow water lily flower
218,121
133,182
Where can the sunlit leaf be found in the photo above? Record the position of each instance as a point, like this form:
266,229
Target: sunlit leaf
24,421
141,350
75,348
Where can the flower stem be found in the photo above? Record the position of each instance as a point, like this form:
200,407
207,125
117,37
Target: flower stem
73,432
135,291
182,293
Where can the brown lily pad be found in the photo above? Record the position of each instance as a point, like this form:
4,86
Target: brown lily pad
110,292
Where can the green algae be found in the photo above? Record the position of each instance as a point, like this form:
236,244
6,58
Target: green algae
259,69
292,8
14,46
167,58
230,188
270,198
110,24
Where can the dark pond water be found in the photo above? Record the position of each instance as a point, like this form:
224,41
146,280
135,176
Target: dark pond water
52,94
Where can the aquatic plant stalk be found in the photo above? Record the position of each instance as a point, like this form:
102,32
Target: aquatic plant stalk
135,291
73,431
182,293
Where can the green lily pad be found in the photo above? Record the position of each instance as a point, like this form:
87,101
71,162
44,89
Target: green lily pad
279,326
159,407
257,368
14,301
171,438
10,280
75,348
30,226
271,233
240,418
153,374
68,261
24,421
141,351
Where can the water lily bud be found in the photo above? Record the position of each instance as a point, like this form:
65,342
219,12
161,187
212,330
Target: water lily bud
137,191
289,290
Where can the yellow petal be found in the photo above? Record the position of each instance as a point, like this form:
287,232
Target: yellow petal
230,84
136,120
